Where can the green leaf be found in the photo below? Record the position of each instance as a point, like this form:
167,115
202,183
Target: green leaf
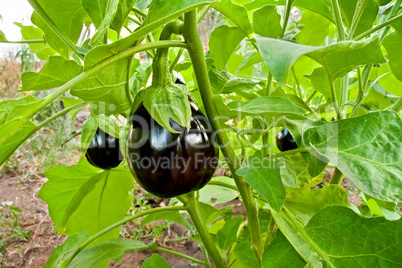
320,82
106,90
88,132
62,253
267,22
102,253
280,253
305,203
96,10
293,231
68,15
389,82
107,124
215,194
223,82
369,16
56,72
228,234
68,102
123,10
381,208
244,256
42,51
352,241
349,145
168,216
81,198
236,13
338,59
294,171
111,10
267,106
392,44
155,261
264,176
315,29
2,36
223,43
15,126
279,92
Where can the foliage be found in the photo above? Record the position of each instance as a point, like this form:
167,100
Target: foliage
328,71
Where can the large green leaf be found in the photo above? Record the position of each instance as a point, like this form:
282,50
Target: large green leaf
107,19
367,151
62,253
54,73
264,176
223,43
223,82
338,59
267,22
68,15
320,82
123,10
15,126
106,89
341,238
83,198
236,13
98,255
305,203
160,12
294,171
315,29
352,241
392,44
267,106
280,253
42,51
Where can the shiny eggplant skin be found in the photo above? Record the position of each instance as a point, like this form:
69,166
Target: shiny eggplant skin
285,141
104,151
167,164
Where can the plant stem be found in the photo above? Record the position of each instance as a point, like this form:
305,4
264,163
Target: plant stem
338,20
48,120
176,60
195,49
288,8
333,96
184,256
311,96
134,20
229,186
271,231
378,27
336,177
117,224
290,152
32,41
37,7
361,4
203,13
160,66
139,12
193,209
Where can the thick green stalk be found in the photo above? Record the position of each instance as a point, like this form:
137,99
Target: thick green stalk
160,67
117,224
338,20
37,7
193,209
191,35
288,8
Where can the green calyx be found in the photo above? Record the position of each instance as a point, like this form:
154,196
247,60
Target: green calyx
164,99
164,102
